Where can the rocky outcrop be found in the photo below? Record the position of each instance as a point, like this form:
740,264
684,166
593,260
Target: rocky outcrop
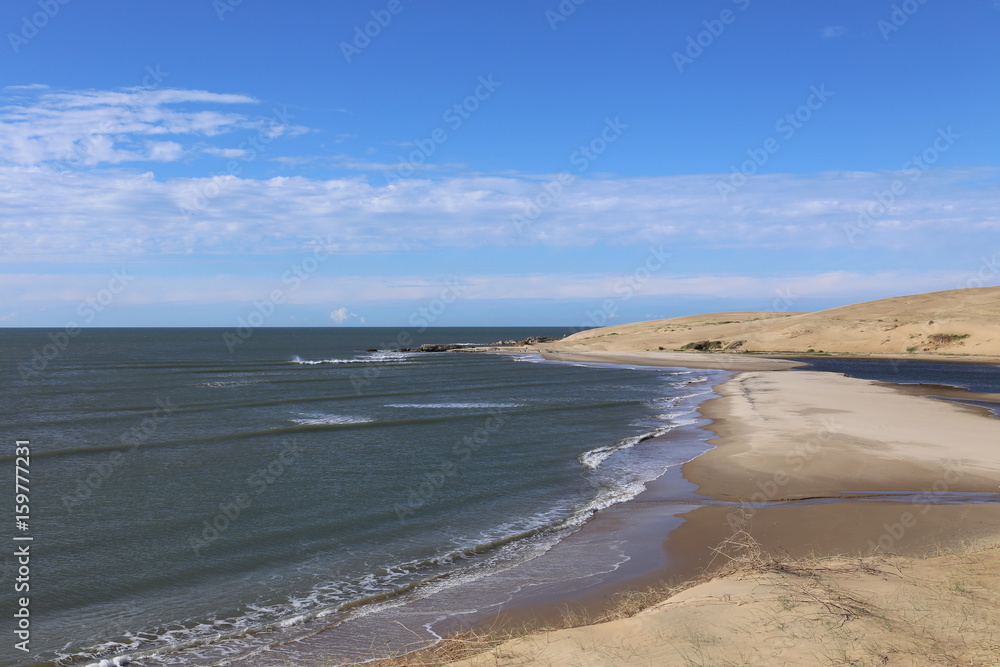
530,340
445,347
437,347
442,347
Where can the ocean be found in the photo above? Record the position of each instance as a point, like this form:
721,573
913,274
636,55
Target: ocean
979,378
291,495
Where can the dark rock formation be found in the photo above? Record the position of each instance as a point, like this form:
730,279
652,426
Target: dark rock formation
444,347
530,340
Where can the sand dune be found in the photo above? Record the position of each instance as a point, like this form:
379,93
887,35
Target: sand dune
955,323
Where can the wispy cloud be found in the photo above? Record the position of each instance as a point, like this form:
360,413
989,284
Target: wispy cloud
86,215
225,152
18,290
341,162
41,126
832,31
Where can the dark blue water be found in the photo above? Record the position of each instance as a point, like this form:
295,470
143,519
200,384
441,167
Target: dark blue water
980,378
195,502
977,378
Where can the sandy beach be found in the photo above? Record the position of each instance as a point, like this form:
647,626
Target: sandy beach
812,434
862,527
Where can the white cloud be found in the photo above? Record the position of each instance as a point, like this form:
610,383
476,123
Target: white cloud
342,315
91,215
27,290
71,129
225,152
832,31
396,170
164,151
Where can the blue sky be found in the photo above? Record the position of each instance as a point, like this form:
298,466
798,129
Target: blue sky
515,162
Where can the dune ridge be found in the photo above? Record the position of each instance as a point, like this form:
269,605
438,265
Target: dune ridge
954,323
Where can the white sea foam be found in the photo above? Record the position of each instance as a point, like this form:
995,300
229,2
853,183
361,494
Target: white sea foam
224,384
595,457
312,419
379,356
388,355
315,362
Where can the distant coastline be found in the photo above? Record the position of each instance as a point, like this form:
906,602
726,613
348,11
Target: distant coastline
956,325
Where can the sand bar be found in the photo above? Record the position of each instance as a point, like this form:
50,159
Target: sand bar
814,434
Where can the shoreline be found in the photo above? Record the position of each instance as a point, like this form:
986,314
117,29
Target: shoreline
817,509
689,548
633,526
776,360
